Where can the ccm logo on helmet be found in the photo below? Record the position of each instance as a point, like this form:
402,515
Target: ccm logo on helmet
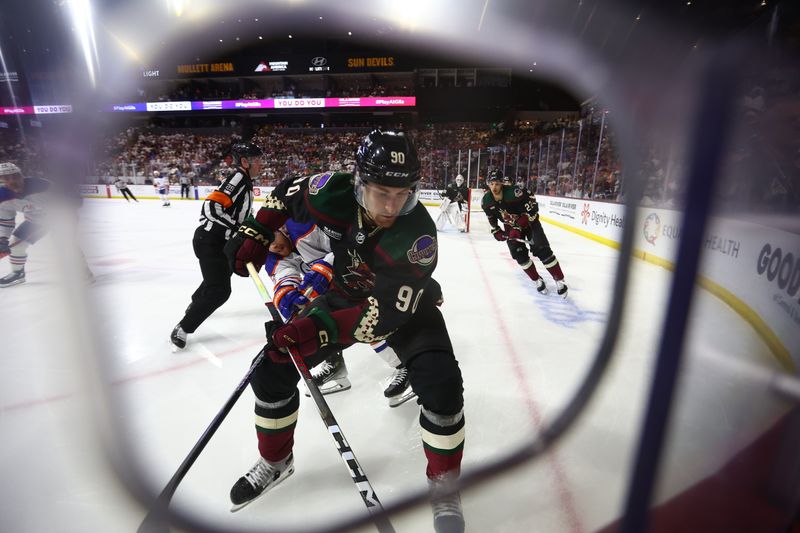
396,174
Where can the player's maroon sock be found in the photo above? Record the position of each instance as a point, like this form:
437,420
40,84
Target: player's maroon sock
556,272
531,272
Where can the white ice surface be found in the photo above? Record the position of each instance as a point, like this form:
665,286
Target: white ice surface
522,355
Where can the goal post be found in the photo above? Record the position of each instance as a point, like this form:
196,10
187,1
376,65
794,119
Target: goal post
473,207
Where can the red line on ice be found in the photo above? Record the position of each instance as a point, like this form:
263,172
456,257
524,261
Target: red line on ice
562,485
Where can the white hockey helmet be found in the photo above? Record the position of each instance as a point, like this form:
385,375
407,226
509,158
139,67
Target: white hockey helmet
7,169
459,180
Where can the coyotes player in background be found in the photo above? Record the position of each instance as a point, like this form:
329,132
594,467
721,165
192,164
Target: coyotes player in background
519,213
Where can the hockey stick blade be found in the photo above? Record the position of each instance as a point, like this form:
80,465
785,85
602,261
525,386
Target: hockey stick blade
357,474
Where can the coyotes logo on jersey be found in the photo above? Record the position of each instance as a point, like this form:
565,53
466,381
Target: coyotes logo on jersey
359,276
508,218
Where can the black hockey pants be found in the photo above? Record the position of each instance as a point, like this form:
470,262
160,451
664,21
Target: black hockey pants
216,285
539,245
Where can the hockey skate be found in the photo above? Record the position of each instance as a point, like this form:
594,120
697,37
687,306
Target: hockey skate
263,477
178,338
448,516
540,286
399,390
330,375
561,288
15,278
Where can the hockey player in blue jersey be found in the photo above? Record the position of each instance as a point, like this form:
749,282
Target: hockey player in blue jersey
19,195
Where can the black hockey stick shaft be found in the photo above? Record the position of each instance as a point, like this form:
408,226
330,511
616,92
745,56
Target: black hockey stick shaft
363,485
156,519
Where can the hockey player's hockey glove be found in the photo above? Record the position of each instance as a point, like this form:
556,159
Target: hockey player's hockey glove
4,248
515,235
319,278
278,356
499,235
289,300
269,329
523,221
307,335
249,244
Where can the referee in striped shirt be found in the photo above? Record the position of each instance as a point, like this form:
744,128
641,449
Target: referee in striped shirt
222,213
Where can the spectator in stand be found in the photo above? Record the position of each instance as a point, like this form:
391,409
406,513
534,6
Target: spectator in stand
296,150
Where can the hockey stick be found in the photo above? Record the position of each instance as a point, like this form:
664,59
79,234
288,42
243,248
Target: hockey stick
356,472
156,519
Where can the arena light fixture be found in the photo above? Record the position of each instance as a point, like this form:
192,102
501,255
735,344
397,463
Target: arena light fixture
177,7
127,48
80,12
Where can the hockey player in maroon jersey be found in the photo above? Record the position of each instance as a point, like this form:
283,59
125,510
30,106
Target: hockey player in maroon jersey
519,213
300,258
385,250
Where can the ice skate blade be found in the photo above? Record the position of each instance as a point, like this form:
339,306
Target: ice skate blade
289,471
339,386
400,399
